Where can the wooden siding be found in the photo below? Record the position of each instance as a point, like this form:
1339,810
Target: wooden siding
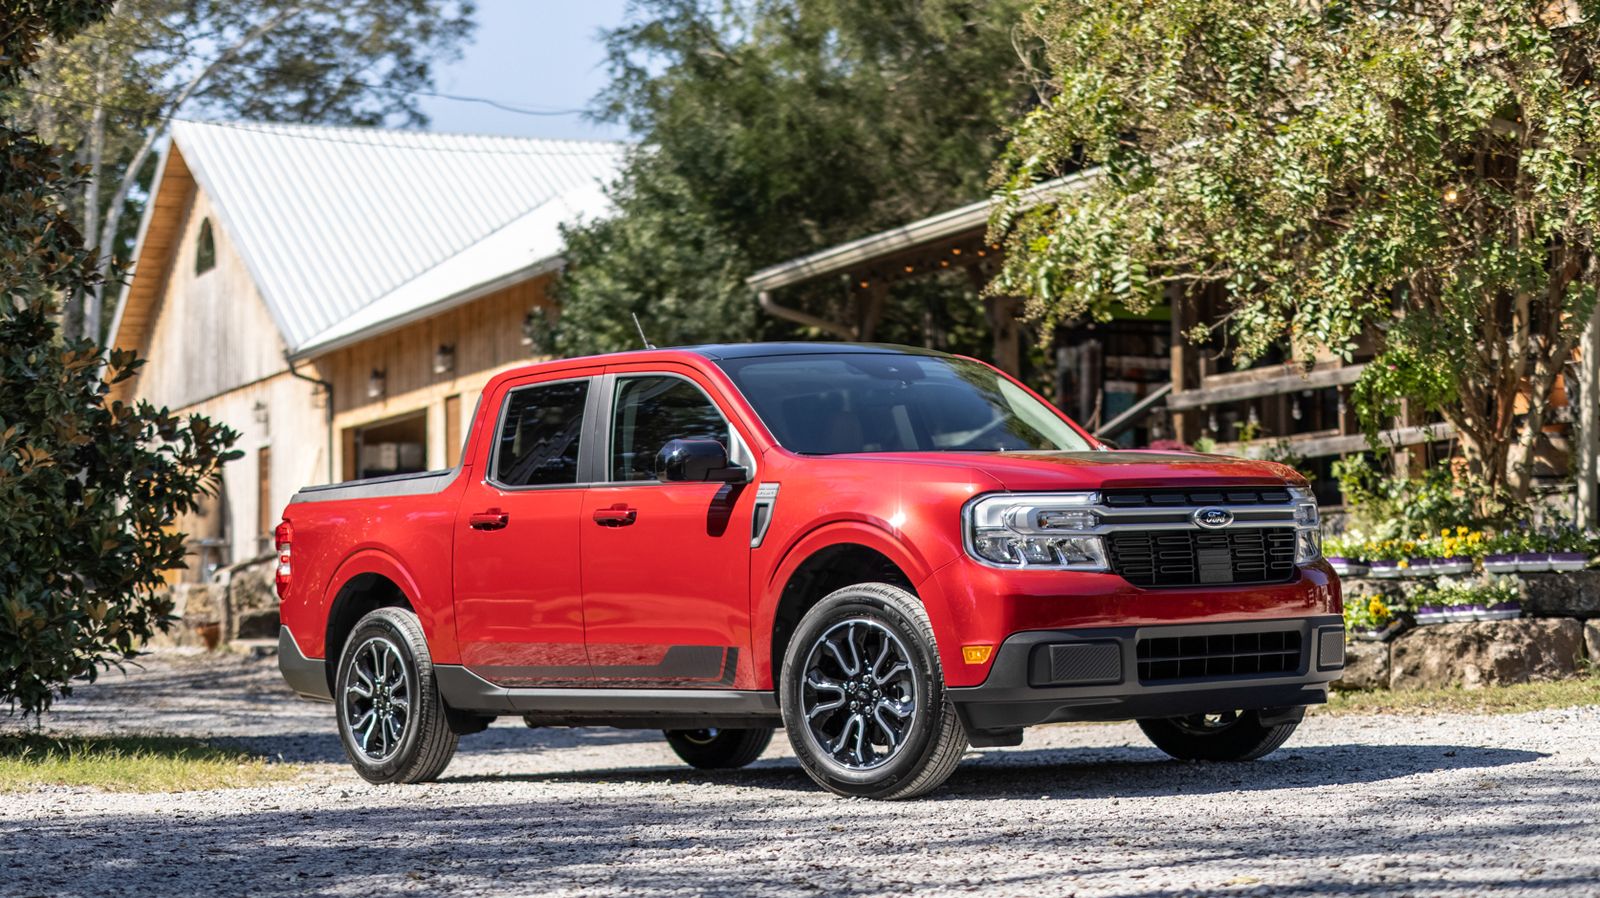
487,336
211,332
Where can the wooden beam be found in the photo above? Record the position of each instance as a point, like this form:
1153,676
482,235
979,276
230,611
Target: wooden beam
1269,381
1326,442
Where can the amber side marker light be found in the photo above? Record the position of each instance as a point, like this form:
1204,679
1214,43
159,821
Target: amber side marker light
976,654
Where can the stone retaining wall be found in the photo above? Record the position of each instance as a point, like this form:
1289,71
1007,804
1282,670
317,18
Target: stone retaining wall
1473,655
1558,634
240,603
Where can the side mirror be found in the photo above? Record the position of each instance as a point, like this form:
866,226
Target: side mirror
696,461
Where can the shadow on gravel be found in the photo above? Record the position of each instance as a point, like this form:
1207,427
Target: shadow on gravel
380,841
322,746
1096,772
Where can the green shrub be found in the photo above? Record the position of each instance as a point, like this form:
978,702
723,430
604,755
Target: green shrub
90,490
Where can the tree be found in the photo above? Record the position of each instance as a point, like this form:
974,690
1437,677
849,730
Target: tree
90,489
110,91
775,128
1423,175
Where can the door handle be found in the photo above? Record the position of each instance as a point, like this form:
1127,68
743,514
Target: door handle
493,519
615,516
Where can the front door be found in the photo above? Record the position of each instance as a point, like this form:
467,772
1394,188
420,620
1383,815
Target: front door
666,565
519,604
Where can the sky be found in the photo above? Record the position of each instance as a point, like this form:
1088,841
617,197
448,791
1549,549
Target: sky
533,54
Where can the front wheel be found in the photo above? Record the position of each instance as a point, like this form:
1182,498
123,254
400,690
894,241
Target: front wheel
718,749
391,720
1229,736
863,697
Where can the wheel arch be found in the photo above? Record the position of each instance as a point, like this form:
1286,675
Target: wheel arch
825,560
367,581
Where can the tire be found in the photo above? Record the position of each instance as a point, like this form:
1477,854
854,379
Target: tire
847,748
408,739
716,749
1235,736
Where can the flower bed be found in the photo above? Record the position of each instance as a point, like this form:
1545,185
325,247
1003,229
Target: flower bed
1459,551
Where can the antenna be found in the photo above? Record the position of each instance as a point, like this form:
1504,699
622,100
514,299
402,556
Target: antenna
642,337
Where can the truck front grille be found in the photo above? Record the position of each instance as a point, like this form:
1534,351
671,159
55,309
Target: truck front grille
1175,658
1238,555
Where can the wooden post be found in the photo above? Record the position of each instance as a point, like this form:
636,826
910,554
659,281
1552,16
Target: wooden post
871,310
1002,313
1586,454
1185,361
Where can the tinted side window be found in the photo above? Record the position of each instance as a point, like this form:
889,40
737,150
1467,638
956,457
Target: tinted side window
652,410
540,433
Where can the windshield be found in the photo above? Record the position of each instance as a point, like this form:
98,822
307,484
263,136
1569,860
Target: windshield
861,402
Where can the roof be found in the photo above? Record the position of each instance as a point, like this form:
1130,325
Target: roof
349,231
968,219
728,351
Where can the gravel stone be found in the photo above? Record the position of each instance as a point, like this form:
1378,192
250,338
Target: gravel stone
1390,805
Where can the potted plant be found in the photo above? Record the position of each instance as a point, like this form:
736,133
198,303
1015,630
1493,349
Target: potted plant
1344,555
1502,597
1455,551
1416,559
1535,555
1501,551
1569,550
1369,618
1383,559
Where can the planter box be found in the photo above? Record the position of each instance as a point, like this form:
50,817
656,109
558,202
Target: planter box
1500,564
1568,561
1383,570
1429,615
1451,567
1417,568
1533,562
1503,611
1345,567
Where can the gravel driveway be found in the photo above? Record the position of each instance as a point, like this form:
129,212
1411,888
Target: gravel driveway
1454,805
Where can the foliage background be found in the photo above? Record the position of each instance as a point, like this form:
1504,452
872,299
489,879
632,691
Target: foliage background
90,489
1421,179
775,128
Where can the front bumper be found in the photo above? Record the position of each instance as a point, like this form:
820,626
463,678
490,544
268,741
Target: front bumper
1052,676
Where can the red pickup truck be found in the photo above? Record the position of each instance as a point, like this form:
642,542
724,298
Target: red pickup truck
892,553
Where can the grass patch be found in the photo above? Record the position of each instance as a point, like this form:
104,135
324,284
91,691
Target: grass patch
1490,700
130,764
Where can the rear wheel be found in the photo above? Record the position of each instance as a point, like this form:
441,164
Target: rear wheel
863,698
1228,736
391,719
718,749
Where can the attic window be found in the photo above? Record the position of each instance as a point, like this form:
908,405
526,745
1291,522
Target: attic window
205,249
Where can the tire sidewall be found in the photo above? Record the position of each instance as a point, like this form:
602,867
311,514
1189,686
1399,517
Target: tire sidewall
380,624
847,604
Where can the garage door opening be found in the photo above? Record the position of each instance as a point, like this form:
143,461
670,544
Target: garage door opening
395,446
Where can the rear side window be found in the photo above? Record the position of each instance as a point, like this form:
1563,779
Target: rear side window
540,432
653,410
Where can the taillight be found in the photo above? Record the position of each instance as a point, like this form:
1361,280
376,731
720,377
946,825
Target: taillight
283,536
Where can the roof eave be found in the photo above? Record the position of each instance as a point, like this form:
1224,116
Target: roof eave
961,220
313,349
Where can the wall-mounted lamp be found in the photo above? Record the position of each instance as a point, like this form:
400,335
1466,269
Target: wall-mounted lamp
444,358
260,412
376,384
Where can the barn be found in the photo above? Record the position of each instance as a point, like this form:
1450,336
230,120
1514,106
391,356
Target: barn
339,296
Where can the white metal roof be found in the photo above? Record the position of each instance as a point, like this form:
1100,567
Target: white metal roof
349,230
960,220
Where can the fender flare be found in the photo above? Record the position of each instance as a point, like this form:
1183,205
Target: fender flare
869,534
370,560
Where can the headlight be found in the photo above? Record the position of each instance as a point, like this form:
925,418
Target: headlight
1036,530
1307,520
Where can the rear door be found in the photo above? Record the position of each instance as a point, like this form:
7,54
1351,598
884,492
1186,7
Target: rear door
519,603
665,565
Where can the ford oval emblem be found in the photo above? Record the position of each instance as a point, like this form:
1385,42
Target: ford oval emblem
1212,518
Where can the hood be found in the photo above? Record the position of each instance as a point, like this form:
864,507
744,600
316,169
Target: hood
1122,468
